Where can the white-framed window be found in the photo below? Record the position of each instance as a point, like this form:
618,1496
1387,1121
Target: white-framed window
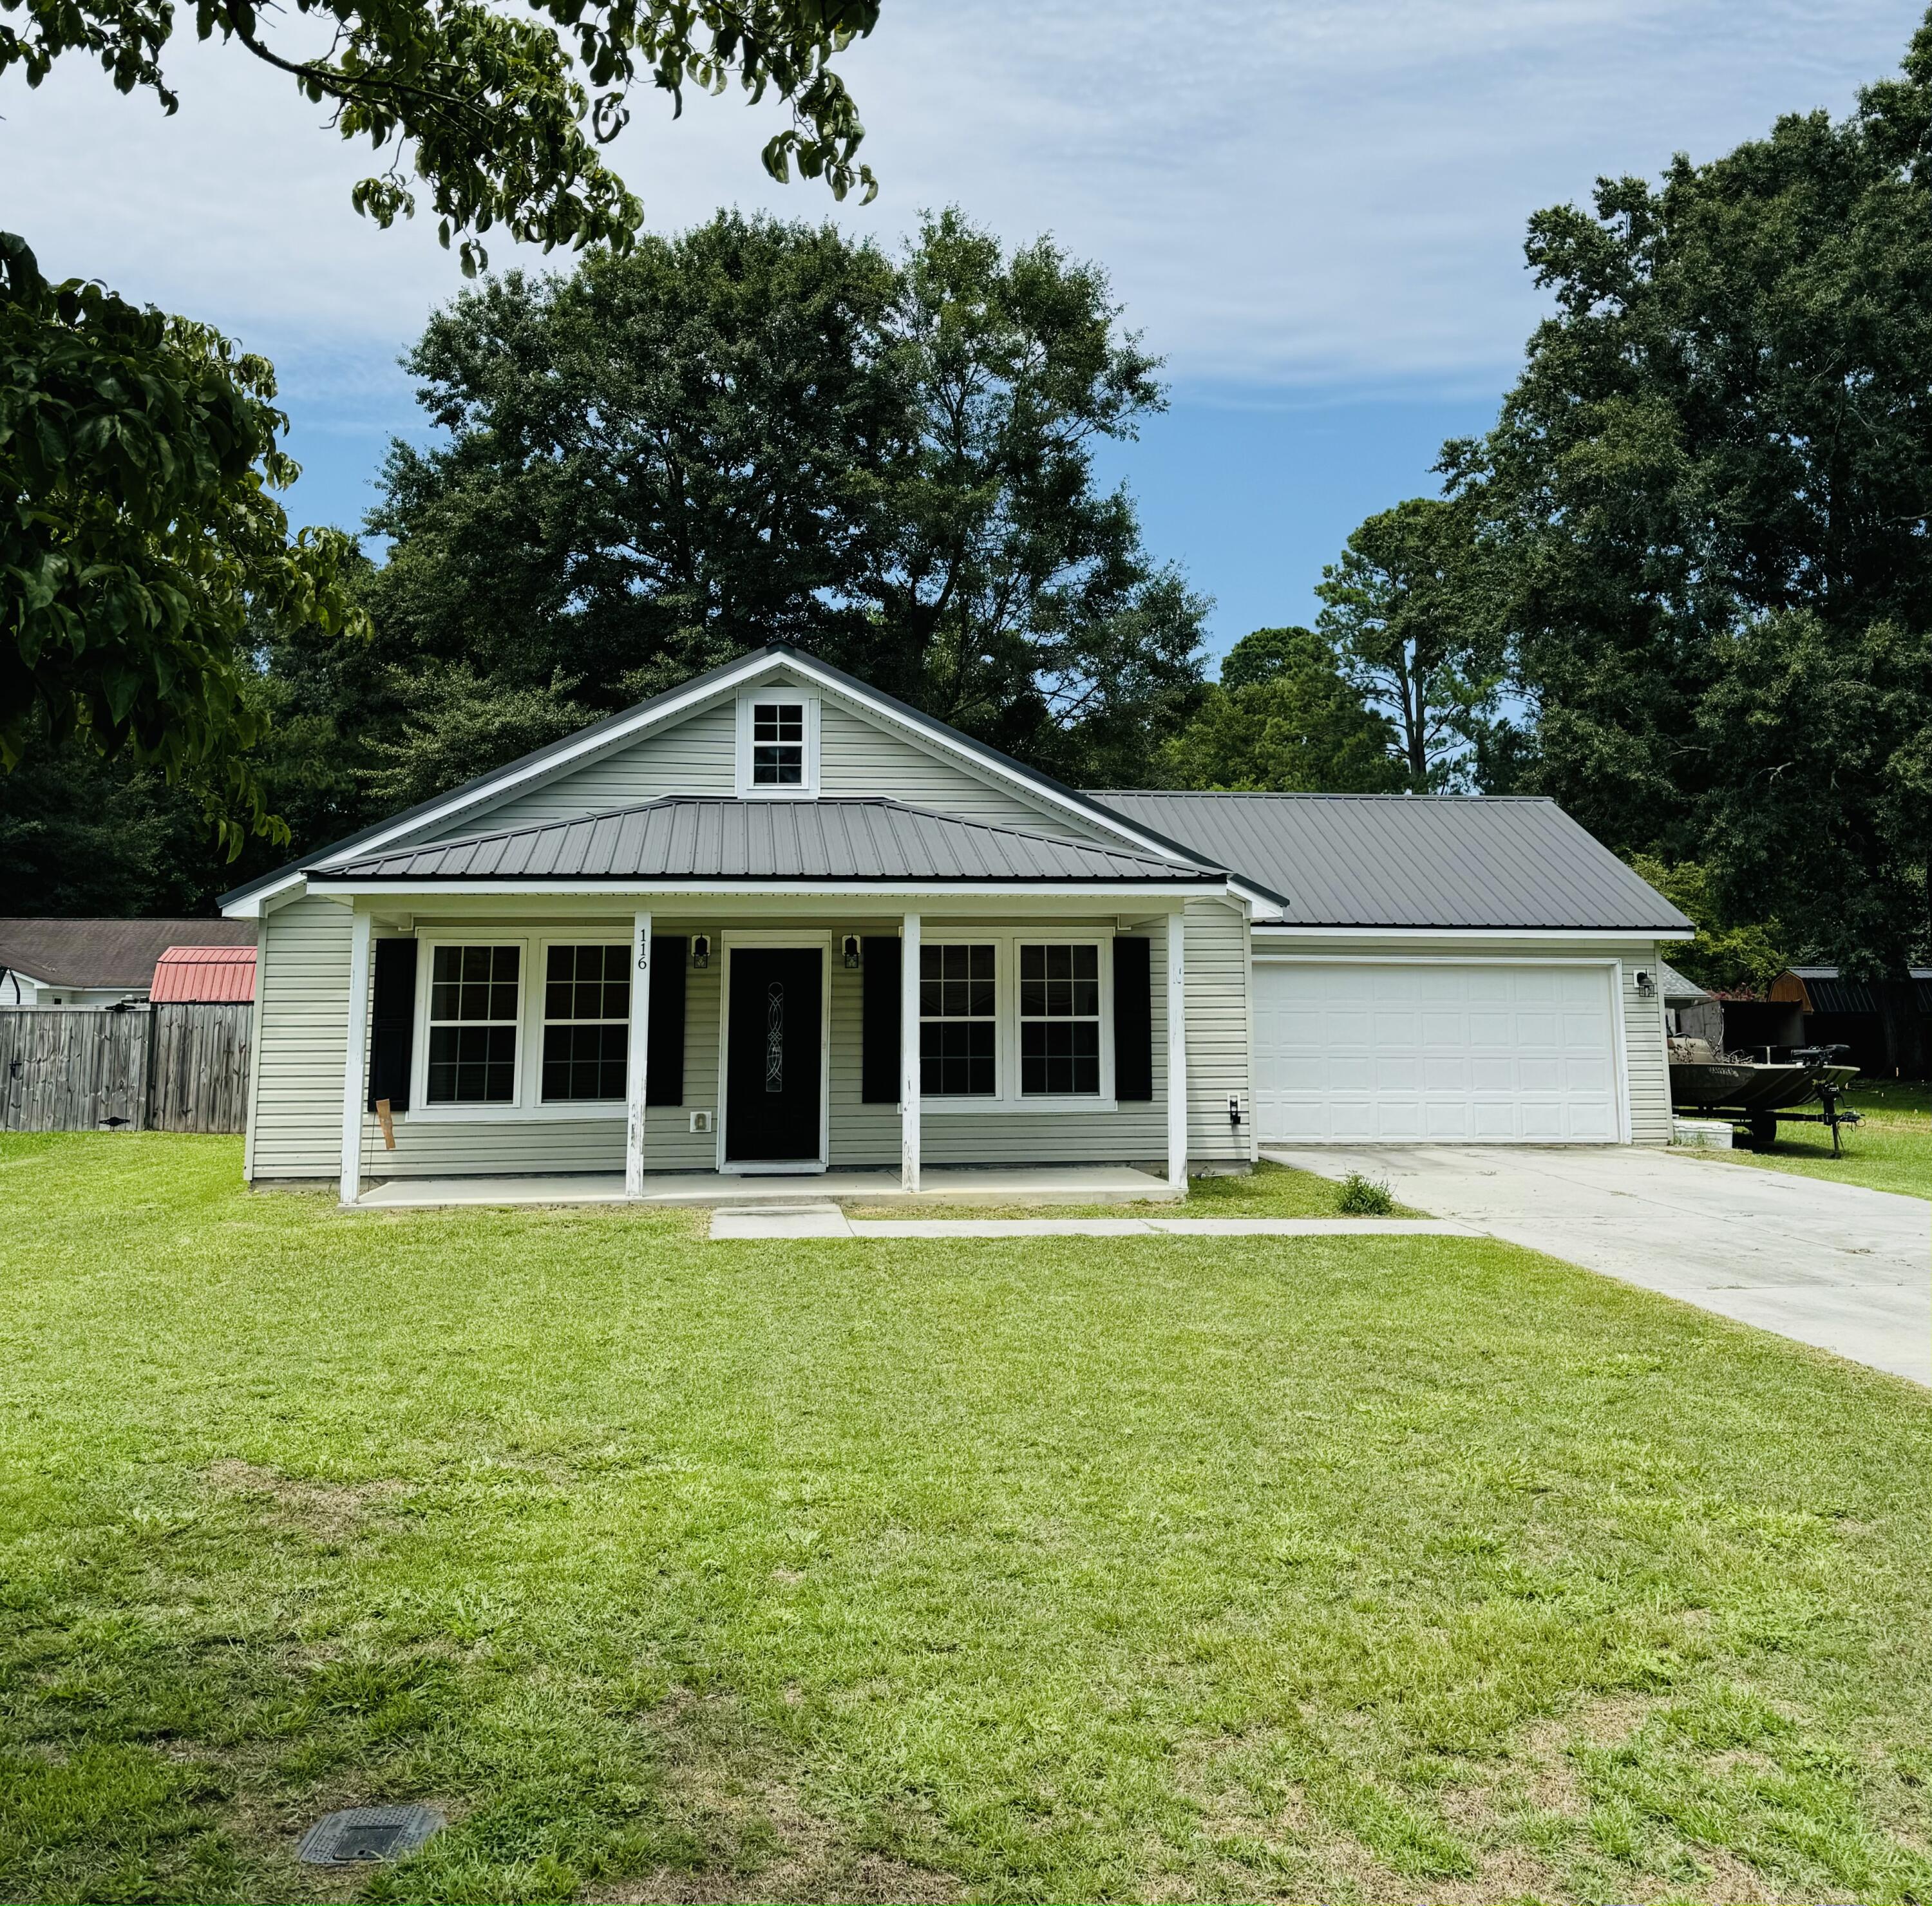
586,1023
531,1027
1016,1021
778,743
1060,1020
474,1007
958,1021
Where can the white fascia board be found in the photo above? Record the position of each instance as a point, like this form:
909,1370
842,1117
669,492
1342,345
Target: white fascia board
1175,891
268,900
1267,933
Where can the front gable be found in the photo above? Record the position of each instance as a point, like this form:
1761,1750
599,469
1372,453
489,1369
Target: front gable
687,742
860,752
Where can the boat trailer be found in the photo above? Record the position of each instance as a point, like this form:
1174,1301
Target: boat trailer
1764,1125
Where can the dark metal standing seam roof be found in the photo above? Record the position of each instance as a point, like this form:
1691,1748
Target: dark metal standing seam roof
686,837
1366,860
1825,989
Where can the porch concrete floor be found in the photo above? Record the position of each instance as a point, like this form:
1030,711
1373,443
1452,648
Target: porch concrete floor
940,1184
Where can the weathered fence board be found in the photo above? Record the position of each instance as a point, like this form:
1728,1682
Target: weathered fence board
173,1068
198,1066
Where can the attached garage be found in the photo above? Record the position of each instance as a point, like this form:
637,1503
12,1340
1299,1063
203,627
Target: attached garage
1430,1052
1438,969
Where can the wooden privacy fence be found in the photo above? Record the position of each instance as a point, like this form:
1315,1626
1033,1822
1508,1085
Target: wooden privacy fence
171,1068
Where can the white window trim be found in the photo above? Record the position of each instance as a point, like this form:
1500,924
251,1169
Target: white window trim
617,1108
528,1105
747,699
1007,1098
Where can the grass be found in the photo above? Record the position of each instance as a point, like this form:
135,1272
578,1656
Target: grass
1367,1569
1891,1151
1269,1190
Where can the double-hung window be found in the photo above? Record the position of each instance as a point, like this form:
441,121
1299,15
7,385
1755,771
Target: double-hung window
1060,1021
777,744
586,1019
472,1025
958,1029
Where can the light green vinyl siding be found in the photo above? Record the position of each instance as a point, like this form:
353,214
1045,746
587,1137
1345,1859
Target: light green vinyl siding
858,758
450,1148
1219,974
298,1116
698,755
296,1125
1645,1051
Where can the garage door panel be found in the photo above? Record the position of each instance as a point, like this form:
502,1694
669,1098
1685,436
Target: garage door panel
1417,1053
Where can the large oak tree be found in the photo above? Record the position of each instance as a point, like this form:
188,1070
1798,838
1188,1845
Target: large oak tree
759,430
1710,491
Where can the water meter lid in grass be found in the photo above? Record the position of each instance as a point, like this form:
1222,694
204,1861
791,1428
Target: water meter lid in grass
357,1834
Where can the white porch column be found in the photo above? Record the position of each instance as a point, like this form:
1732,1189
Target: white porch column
1176,1052
909,1053
355,1056
640,1053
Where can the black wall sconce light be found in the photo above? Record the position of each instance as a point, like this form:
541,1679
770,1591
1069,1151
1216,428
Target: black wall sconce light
1645,985
701,950
851,949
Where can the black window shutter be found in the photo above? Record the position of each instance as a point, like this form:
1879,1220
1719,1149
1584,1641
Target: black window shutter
664,1064
879,1068
1133,1019
392,1023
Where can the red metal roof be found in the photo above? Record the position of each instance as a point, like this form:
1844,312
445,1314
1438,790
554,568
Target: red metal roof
204,972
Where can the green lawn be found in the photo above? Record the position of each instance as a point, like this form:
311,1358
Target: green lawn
1891,1151
1270,1191
1370,1569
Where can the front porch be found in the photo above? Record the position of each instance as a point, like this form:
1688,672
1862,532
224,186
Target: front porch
527,1049
1067,1184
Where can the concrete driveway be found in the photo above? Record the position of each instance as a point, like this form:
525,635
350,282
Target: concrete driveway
1847,1269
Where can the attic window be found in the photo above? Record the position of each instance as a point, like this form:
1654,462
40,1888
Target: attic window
777,744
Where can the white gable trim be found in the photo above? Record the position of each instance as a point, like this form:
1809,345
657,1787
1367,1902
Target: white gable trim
678,705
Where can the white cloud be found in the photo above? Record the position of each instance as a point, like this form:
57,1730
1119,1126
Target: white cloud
1305,193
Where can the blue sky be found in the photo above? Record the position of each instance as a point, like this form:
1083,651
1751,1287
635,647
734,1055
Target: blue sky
1313,209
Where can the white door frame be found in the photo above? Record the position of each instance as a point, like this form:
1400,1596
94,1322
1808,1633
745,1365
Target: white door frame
1613,968
776,940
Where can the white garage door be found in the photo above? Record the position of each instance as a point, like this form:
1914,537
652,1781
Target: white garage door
1420,1053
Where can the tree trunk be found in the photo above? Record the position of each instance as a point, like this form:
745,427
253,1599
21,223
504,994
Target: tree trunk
1903,1027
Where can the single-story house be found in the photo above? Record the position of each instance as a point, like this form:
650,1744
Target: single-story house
774,921
101,963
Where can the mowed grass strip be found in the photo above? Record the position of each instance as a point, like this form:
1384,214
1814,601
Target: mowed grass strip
1890,1151
1377,1568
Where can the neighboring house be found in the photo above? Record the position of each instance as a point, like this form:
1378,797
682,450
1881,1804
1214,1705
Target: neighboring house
204,975
775,920
98,962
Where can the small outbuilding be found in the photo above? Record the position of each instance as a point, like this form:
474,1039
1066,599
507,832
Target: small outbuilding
1689,1011
1838,1011
204,975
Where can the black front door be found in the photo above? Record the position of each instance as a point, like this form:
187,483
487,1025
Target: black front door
771,1077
